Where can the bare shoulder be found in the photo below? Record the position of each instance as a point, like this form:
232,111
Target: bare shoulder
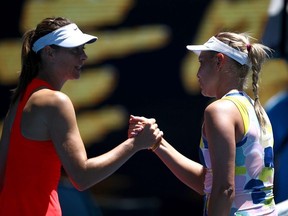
221,107
43,109
222,112
49,97
49,101
224,115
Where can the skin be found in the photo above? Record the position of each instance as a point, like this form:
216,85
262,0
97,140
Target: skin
51,116
222,126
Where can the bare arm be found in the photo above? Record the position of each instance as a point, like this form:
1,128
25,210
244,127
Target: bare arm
82,171
220,128
186,170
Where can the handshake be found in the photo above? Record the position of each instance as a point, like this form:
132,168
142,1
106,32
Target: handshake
145,131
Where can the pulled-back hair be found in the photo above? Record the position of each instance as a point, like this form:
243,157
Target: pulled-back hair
29,59
258,54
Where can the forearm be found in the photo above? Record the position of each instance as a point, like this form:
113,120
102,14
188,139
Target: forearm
98,168
86,172
186,170
220,203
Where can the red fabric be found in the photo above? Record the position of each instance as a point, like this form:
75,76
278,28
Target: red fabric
32,171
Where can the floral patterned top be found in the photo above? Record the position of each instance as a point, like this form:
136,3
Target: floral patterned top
254,168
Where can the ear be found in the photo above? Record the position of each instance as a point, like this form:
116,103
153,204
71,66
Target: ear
49,51
220,58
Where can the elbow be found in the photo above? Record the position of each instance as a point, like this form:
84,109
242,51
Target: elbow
69,181
80,182
197,187
80,186
201,189
228,193
201,192
83,178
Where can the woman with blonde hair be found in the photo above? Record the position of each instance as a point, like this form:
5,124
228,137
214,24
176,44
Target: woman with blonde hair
236,149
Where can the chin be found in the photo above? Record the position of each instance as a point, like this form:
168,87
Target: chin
206,94
76,76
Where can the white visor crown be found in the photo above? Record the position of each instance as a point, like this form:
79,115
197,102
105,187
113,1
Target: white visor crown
66,36
213,44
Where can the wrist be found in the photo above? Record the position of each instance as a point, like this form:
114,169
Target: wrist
155,146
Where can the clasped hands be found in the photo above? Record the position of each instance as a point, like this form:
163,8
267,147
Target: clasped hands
137,125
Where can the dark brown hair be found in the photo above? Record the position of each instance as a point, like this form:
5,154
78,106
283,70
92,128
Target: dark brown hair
29,59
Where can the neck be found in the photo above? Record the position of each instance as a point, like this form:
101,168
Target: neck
228,90
53,81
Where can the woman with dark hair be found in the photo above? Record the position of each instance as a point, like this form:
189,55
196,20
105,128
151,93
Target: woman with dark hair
40,132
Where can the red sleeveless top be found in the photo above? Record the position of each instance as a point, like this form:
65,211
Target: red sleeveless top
32,171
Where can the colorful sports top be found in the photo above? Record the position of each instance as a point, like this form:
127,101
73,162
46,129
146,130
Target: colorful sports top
32,171
254,169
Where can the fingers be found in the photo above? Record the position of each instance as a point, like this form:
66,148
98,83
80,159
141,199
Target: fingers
136,119
151,121
158,134
135,129
147,135
151,135
137,124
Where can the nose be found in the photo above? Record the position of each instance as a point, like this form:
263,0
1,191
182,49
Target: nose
198,74
84,56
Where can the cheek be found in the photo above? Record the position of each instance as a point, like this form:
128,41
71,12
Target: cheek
68,62
207,70
203,72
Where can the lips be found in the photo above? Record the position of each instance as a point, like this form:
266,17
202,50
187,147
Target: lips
79,67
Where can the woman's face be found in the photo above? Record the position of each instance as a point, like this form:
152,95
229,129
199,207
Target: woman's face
71,60
207,73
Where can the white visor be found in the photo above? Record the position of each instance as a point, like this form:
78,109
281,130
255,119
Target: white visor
213,44
66,36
